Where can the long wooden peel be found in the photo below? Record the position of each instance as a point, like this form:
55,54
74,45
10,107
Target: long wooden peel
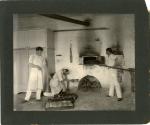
130,69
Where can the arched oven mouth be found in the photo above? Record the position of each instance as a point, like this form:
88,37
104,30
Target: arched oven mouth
89,83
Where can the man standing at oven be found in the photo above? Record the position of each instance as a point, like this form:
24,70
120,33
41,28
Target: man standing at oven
114,82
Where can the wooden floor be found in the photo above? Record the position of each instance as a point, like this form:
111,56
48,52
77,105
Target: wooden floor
90,100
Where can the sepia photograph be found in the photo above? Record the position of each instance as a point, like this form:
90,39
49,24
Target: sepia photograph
74,62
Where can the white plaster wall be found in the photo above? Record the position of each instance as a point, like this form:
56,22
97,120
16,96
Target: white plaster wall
62,47
127,40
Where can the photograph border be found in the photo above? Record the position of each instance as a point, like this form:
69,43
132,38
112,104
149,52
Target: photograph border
137,7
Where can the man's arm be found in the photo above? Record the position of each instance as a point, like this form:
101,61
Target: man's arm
31,65
61,80
63,85
34,66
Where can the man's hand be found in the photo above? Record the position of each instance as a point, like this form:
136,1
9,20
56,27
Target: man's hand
35,66
39,68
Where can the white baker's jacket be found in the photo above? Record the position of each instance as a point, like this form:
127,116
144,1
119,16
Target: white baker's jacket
110,60
114,61
35,75
55,82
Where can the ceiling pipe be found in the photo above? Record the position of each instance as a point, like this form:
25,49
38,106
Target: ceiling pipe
67,19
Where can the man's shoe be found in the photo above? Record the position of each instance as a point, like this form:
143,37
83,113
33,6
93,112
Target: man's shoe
120,99
108,96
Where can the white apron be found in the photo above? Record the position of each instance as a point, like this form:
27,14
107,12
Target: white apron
36,76
111,73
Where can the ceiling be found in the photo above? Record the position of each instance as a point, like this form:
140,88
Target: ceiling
30,21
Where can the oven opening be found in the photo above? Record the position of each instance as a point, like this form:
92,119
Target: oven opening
90,60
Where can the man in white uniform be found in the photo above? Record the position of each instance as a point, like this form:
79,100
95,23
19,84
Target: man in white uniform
111,60
35,83
58,83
